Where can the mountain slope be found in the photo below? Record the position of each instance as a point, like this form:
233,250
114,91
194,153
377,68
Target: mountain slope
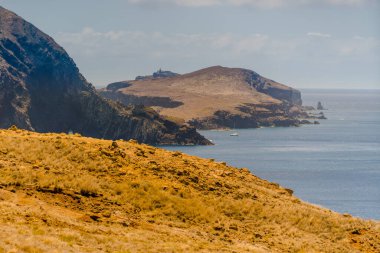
214,97
41,89
66,193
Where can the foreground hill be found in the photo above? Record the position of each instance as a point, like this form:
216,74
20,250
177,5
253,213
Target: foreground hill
41,89
214,97
66,193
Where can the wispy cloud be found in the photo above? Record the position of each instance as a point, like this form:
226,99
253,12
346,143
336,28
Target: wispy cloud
148,44
135,50
318,34
129,42
349,2
194,3
359,46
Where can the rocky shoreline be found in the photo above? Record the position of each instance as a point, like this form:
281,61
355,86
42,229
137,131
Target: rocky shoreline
216,98
284,116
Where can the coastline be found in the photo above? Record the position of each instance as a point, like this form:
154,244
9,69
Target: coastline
323,163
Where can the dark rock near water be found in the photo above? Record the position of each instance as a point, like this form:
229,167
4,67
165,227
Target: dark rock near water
320,106
315,115
308,108
251,119
305,122
41,89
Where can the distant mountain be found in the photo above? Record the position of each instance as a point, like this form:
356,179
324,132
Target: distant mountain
215,97
41,89
158,74
90,195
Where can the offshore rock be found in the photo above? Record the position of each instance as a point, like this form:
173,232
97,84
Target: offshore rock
320,106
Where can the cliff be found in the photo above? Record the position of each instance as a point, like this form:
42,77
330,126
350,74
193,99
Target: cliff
41,89
215,97
66,193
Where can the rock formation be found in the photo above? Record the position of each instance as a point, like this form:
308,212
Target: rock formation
41,89
214,97
320,106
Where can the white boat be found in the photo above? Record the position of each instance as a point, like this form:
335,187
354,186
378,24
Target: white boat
234,133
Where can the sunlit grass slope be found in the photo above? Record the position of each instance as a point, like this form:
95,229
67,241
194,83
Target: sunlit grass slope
67,193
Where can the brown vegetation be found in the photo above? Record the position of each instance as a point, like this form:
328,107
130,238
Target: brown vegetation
67,193
214,97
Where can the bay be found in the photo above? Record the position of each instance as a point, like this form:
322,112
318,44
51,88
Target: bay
335,164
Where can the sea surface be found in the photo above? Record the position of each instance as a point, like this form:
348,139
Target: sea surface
335,164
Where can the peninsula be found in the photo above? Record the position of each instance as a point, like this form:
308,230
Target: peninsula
215,97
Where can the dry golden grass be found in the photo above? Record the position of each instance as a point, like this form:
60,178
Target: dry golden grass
67,193
202,92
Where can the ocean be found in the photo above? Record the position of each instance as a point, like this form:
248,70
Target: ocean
335,164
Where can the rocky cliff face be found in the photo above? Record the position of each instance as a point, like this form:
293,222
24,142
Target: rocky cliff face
142,100
273,88
215,97
251,116
41,89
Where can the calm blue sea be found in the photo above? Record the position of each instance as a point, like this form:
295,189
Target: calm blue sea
335,164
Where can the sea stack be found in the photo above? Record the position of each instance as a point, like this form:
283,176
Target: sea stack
320,106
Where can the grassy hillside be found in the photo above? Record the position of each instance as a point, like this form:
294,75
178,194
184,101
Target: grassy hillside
67,193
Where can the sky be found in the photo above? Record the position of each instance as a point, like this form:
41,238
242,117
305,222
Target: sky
301,43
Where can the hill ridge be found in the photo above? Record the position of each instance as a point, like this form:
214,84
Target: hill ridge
215,97
42,89
77,194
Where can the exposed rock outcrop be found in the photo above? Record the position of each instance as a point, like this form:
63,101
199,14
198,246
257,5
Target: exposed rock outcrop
41,89
320,106
215,97
142,100
273,89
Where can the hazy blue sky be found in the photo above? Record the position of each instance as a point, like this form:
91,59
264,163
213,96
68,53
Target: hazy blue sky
302,43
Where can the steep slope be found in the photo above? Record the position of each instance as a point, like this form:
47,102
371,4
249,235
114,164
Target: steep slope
66,193
214,97
41,89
